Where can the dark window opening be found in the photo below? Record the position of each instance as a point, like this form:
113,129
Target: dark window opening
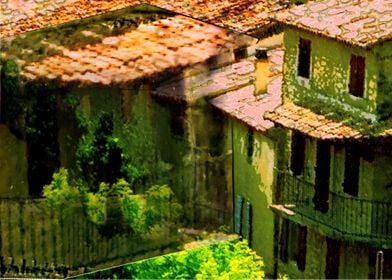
323,160
357,75
42,141
240,53
297,153
217,133
2,107
351,170
261,53
107,157
332,259
250,145
293,240
304,58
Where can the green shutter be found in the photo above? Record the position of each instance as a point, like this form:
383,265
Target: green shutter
249,214
238,213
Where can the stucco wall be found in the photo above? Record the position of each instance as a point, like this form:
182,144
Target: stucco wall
329,75
354,263
254,182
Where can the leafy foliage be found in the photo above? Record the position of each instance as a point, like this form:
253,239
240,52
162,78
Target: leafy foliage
59,194
140,213
157,199
224,260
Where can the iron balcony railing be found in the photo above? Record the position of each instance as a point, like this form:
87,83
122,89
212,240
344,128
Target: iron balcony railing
350,216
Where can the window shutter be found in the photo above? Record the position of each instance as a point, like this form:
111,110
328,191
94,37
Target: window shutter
238,213
357,75
249,218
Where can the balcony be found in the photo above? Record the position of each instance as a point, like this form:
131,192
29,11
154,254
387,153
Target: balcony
349,218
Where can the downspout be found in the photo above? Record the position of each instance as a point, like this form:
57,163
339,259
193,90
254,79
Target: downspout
232,171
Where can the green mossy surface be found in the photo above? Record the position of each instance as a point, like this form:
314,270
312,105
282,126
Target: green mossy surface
254,181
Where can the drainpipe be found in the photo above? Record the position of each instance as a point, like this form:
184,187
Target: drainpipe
232,172
379,264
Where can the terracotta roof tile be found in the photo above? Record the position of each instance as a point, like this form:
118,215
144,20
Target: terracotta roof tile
244,105
245,16
361,23
304,120
119,59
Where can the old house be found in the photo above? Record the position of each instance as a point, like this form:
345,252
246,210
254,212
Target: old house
139,76
333,194
311,176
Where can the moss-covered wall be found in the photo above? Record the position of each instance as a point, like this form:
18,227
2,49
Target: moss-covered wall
328,85
354,263
174,143
253,180
208,160
13,165
382,180
316,251
353,260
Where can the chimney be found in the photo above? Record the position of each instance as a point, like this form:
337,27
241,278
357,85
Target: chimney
262,71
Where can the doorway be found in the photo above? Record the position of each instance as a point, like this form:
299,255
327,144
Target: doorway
323,161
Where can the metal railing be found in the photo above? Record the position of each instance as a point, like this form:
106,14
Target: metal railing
350,216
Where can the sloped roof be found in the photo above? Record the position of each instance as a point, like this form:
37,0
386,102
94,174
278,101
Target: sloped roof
304,120
245,16
245,106
362,23
150,49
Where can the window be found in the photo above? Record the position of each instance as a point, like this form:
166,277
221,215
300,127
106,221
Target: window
351,170
357,75
240,53
304,58
293,243
250,145
297,153
332,259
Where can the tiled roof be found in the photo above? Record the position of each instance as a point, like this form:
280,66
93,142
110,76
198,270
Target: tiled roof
139,54
361,23
245,16
249,108
304,120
